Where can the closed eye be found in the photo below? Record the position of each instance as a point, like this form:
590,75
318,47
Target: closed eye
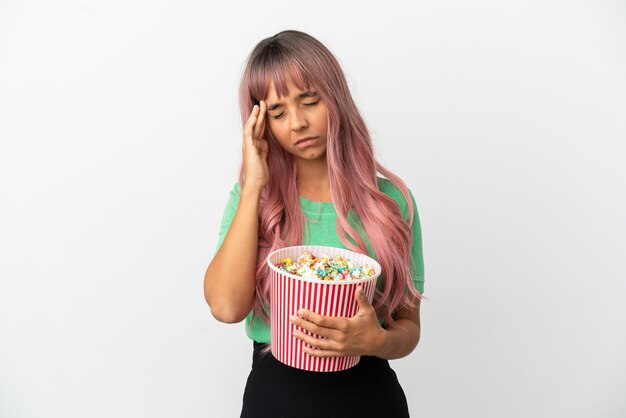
306,104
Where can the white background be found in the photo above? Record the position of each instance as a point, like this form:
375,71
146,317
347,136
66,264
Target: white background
121,137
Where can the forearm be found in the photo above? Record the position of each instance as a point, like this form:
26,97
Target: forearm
229,282
399,340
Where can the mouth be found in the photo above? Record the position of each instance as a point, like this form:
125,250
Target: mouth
306,141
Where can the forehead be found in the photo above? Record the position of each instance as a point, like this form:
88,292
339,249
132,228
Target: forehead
272,94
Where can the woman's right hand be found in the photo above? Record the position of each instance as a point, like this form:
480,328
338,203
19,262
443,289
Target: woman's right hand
256,170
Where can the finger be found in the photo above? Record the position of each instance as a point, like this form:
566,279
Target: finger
262,131
263,146
259,125
361,298
323,353
320,343
247,128
263,122
321,320
330,333
310,326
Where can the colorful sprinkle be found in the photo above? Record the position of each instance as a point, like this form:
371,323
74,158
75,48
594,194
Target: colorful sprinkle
325,268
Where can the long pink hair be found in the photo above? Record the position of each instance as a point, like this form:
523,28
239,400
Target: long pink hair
298,57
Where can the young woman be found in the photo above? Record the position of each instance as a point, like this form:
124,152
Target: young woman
309,176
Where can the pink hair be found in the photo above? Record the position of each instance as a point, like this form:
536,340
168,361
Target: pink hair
297,57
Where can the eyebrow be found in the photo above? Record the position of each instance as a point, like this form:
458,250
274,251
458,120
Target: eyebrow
300,96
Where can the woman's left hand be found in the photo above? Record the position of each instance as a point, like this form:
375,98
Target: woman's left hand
356,336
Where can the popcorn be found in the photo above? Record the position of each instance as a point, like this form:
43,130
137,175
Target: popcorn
325,268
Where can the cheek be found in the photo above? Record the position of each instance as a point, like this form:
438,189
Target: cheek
270,128
323,118
280,135
278,130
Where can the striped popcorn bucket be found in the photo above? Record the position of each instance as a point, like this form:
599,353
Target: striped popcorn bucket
330,298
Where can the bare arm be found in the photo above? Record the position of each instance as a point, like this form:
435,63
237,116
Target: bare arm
229,282
401,339
229,279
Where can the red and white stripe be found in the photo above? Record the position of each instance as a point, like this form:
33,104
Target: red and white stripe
330,298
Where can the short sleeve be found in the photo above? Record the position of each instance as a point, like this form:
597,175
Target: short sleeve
416,248
229,214
417,258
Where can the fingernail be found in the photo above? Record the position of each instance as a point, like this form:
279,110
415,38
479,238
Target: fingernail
293,318
300,312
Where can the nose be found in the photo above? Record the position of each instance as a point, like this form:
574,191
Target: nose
298,120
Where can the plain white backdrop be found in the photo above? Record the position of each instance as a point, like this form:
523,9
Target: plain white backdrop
121,137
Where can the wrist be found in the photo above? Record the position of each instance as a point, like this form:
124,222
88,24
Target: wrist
252,191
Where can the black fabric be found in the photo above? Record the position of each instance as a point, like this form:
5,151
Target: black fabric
275,390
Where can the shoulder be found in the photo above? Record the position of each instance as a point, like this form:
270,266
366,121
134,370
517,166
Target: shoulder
236,187
387,187
233,197
235,191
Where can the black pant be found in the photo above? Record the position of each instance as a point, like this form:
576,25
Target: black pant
275,390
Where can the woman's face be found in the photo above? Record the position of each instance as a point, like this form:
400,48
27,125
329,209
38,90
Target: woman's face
301,114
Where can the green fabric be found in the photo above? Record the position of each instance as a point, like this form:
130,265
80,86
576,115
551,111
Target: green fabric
321,230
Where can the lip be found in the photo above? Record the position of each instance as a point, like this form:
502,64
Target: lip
306,141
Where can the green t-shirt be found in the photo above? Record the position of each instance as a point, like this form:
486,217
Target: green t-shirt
320,229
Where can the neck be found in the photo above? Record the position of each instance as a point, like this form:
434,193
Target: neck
313,178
